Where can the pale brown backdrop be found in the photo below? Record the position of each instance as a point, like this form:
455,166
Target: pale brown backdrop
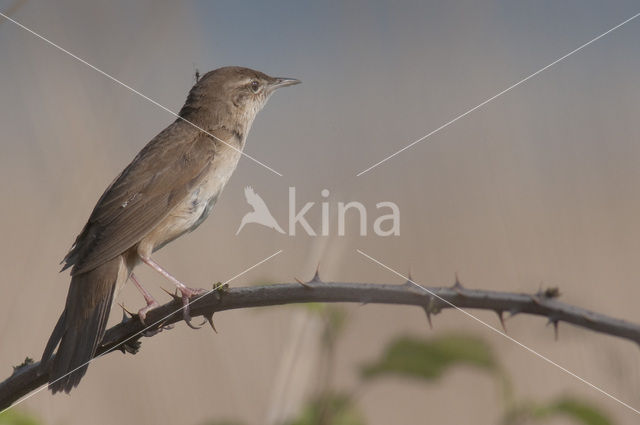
538,187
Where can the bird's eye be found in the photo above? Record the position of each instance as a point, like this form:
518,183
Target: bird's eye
255,86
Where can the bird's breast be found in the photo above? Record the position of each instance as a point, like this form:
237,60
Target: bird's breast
195,208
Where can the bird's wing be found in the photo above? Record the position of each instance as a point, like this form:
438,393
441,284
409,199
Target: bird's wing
254,199
250,196
156,181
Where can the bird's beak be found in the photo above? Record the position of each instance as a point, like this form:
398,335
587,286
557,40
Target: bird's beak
283,82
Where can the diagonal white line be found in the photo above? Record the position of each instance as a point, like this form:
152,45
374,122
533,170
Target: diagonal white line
498,331
28,396
114,79
499,94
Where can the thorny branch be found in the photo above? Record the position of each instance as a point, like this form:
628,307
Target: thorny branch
126,335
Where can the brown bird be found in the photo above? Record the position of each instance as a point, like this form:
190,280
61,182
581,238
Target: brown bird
166,191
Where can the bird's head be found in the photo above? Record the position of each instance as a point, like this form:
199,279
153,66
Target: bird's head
231,96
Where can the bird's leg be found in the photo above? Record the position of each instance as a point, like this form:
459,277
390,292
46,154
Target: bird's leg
184,289
151,302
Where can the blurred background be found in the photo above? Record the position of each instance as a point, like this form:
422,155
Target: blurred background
537,188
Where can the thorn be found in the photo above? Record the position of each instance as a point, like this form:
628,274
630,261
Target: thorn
431,308
306,285
410,280
554,322
501,317
125,312
426,310
173,295
209,318
457,283
457,286
513,312
316,276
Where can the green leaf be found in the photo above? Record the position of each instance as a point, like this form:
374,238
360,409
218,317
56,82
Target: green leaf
329,409
15,417
583,412
430,358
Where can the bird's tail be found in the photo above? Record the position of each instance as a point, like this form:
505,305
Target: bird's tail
81,325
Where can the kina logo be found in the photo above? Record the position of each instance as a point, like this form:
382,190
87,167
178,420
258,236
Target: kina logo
260,213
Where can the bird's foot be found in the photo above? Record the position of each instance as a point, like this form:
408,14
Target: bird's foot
148,298
160,328
187,294
185,291
142,313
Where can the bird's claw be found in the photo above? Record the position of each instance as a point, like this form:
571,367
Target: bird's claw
186,313
151,332
187,294
142,313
